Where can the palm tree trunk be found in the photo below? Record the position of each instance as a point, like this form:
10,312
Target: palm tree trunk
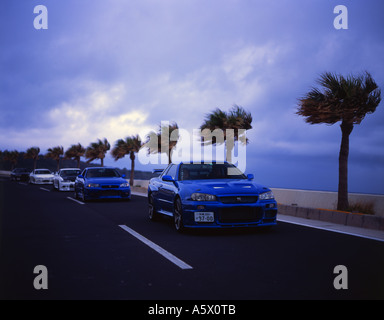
132,156
102,162
342,201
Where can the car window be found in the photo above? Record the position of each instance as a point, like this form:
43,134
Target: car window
43,172
65,173
209,171
172,171
102,173
165,172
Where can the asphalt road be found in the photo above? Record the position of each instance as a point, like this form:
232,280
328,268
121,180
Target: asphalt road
89,255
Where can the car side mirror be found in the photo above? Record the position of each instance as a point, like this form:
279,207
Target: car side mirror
80,176
123,175
168,178
250,176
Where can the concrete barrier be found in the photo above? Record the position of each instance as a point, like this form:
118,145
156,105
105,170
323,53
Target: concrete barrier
334,216
5,173
325,199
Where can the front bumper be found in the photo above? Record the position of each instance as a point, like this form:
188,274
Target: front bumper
101,193
66,186
259,214
20,177
43,181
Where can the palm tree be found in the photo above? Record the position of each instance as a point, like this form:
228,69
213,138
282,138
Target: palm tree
234,120
341,99
55,153
97,150
164,140
12,157
33,153
130,145
75,151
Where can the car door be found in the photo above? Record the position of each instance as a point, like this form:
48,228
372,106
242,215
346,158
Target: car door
167,190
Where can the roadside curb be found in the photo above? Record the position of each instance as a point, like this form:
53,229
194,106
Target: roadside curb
334,216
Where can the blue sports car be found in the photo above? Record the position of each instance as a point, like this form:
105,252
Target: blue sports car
215,195
101,183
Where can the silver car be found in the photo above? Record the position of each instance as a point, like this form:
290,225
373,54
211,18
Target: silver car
64,179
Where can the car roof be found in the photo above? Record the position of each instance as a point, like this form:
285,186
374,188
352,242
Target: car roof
89,168
211,162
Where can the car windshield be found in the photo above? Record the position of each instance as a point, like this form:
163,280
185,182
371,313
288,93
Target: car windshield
20,170
66,173
42,172
102,173
209,171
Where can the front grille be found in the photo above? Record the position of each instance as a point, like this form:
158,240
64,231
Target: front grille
107,186
240,214
110,193
238,199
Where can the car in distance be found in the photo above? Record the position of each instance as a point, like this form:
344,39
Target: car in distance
20,174
101,183
41,176
64,179
214,195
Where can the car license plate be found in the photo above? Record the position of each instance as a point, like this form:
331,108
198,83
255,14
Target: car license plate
204,217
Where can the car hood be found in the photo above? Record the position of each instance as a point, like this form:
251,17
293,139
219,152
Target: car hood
43,175
110,180
224,186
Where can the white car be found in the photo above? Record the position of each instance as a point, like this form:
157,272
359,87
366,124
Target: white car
64,179
41,176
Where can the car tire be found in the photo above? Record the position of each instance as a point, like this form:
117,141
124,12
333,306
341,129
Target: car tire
83,198
152,213
178,216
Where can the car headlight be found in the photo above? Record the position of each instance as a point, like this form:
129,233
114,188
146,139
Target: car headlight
267,196
124,185
92,185
203,197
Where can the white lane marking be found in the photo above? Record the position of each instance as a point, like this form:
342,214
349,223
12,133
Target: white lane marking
332,230
75,200
181,264
45,189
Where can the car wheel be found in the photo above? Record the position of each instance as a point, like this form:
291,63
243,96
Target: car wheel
178,216
153,215
83,198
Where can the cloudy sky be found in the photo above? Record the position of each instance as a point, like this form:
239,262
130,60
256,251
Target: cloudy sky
119,67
